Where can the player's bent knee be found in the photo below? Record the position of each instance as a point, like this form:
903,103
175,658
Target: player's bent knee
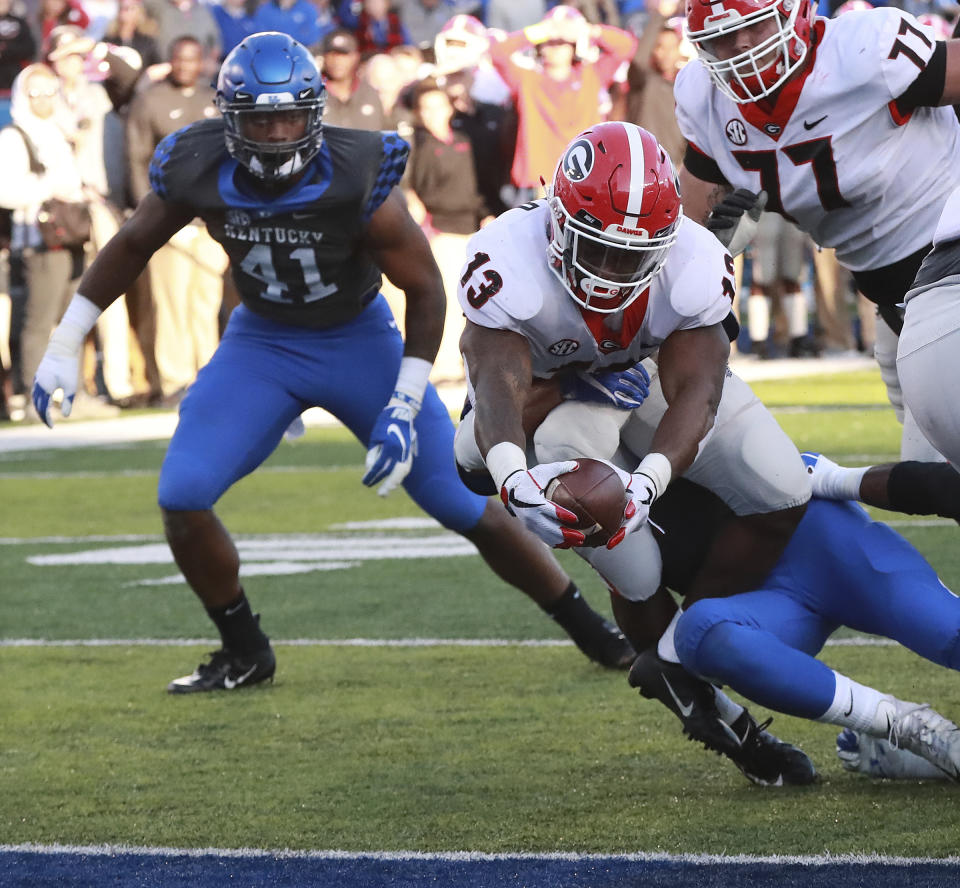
189,490
575,429
704,639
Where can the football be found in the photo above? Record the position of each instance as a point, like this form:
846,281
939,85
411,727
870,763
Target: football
595,494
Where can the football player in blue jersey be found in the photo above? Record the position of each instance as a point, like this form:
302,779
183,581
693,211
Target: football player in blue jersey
310,217
839,569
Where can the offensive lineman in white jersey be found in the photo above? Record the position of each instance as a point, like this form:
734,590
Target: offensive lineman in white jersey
928,357
837,121
564,298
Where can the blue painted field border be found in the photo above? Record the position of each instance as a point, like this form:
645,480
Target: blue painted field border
75,866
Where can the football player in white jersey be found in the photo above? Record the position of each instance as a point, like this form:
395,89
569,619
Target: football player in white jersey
841,123
928,357
564,298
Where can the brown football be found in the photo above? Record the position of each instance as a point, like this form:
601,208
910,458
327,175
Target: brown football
595,494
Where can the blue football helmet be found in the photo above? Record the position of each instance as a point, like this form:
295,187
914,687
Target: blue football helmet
270,72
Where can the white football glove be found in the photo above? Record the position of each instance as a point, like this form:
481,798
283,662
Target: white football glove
393,444
59,369
522,494
642,489
734,219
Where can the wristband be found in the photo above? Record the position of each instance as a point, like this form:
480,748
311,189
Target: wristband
77,321
658,469
503,460
412,378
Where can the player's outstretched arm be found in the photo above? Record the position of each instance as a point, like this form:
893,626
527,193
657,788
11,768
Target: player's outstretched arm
692,366
117,266
502,377
403,254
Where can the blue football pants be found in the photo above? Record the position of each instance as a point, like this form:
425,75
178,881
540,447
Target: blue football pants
840,569
265,373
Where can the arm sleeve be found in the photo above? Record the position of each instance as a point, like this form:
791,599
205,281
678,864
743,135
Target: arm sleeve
906,48
927,89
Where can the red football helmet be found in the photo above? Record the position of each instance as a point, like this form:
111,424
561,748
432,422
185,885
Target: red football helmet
615,213
760,70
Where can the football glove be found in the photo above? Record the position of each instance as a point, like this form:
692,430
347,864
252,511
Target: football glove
393,444
734,219
522,494
626,389
59,369
641,492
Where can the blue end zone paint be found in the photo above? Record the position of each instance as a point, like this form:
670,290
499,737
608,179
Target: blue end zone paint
142,869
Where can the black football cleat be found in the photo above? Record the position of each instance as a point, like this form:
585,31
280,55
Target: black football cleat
601,641
760,756
767,760
227,671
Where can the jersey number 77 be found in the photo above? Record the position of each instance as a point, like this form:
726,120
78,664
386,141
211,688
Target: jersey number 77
816,152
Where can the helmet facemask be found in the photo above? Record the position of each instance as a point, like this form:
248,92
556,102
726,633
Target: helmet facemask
604,271
272,161
757,72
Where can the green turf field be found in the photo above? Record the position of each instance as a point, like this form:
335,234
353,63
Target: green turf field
438,747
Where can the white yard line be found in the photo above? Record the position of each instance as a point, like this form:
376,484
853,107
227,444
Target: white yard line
856,641
333,854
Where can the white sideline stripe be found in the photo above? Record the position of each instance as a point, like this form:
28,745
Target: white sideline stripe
857,641
639,856
153,473
382,524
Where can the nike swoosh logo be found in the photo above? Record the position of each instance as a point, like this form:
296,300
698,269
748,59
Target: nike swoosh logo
231,683
685,709
309,214
519,503
395,431
811,125
850,707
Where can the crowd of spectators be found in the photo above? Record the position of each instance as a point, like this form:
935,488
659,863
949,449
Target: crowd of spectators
487,92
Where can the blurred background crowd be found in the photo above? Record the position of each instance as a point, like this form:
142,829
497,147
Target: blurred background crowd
487,92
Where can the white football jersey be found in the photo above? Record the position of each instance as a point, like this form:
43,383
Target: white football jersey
834,154
507,284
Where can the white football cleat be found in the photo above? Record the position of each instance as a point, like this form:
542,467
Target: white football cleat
874,756
923,731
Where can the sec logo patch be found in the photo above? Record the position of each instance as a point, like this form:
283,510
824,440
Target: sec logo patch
564,347
736,132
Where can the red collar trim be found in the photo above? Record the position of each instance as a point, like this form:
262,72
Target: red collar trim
633,317
771,119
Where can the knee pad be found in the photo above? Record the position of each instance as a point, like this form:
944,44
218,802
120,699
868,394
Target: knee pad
575,429
465,448
632,569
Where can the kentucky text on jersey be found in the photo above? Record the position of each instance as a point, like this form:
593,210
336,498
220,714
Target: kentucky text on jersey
272,234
